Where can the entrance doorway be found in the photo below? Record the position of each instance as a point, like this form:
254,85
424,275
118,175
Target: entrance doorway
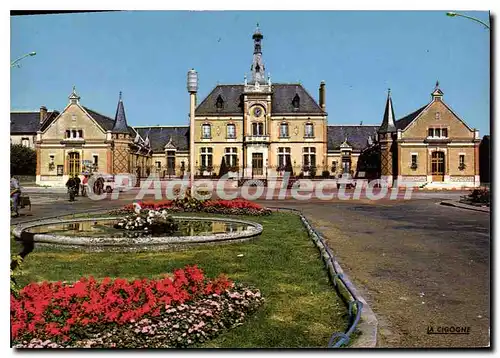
437,166
74,164
257,164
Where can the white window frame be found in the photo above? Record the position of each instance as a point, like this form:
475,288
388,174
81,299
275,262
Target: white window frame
231,156
284,125
205,153
228,133
206,134
308,134
283,152
309,153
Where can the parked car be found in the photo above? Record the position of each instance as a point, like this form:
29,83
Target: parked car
346,180
110,184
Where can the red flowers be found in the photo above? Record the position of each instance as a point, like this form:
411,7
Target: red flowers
231,207
55,310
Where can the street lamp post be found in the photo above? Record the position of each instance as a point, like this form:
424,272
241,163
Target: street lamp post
13,63
192,87
453,14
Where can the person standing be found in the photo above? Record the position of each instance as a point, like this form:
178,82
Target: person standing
77,185
70,184
15,194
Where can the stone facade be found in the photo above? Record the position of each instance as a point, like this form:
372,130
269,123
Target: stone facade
80,140
433,142
258,128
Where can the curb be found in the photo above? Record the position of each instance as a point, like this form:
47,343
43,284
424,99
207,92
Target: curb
465,206
365,319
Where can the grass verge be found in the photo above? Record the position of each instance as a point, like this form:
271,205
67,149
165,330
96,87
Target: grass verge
301,308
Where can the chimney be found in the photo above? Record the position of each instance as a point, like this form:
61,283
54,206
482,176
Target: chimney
322,94
43,114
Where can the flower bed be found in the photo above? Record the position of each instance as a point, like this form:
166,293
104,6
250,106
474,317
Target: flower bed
168,312
148,222
187,204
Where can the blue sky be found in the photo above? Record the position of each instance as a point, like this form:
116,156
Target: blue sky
146,54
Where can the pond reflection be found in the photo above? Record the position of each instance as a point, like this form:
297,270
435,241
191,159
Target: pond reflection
104,228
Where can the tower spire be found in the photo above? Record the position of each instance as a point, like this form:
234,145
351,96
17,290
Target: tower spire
120,125
437,94
388,123
74,97
258,69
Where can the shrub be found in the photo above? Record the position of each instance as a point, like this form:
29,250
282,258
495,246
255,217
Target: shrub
480,195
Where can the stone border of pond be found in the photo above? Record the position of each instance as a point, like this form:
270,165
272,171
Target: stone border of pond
136,244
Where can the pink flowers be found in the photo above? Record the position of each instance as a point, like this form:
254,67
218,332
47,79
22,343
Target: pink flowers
54,310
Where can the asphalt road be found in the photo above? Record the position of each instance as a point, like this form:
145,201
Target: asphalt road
417,263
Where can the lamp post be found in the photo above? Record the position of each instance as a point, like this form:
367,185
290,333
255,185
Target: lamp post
192,87
453,14
13,63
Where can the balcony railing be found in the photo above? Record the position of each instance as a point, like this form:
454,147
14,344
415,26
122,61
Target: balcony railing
257,139
73,140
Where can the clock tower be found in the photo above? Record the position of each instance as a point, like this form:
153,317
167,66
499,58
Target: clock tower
256,114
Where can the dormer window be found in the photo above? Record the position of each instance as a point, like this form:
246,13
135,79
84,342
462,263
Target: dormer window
219,103
296,102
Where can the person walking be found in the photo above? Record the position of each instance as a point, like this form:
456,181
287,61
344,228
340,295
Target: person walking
70,184
85,181
77,185
15,194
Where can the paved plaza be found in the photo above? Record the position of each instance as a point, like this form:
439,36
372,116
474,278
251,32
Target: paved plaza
420,265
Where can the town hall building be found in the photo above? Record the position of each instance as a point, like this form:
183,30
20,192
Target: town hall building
257,129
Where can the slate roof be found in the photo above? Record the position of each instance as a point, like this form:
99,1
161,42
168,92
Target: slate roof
28,122
120,125
159,137
282,97
357,135
402,123
388,121
105,122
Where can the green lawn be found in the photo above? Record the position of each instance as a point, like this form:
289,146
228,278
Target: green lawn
301,308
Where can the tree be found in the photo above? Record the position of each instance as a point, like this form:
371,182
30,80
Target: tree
223,168
22,160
